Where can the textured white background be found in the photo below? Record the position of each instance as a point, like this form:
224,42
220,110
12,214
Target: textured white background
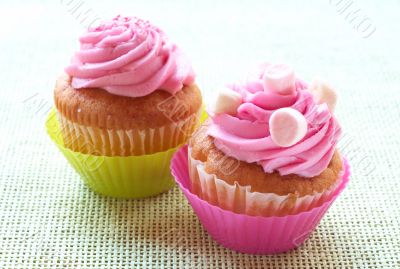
48,218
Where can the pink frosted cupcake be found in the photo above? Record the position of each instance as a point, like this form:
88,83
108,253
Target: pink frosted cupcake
127,101
267,157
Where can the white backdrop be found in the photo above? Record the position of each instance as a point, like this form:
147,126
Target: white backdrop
48,218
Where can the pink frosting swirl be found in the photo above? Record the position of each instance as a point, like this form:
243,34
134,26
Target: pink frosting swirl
130,57
245,136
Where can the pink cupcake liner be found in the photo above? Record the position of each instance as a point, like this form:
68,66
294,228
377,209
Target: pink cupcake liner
242,200
252,234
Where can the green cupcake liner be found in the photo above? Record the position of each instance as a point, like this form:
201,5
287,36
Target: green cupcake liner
122,177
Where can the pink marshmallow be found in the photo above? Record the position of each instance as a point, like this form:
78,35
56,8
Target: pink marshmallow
287,126
323,93
279,78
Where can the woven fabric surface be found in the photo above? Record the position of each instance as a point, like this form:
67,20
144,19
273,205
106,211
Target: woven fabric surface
49,219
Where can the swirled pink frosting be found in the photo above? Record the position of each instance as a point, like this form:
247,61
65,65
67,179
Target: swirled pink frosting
130,57
246,137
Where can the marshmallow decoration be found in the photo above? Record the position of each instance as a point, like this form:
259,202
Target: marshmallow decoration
279,78
323,93
227,102
287,126
280,141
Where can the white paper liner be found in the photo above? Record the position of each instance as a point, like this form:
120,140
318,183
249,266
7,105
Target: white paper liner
132,142
240,199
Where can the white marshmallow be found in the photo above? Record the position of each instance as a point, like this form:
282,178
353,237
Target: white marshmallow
227,102
287,126
279,78
323,93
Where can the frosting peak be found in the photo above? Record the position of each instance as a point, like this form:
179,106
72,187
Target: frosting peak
246,135
130,57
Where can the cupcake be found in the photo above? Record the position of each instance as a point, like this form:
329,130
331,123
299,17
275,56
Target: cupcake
126,101
267,157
